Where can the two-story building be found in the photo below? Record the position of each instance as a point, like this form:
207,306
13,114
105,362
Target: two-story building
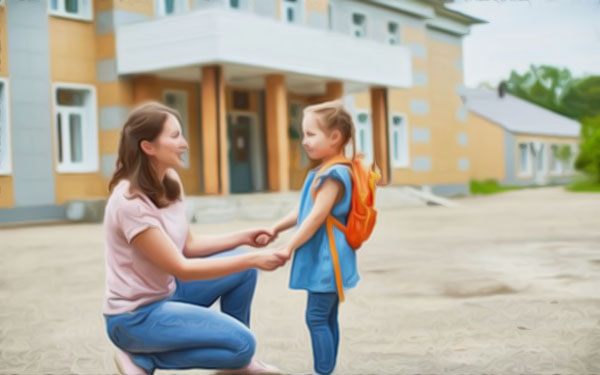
240,72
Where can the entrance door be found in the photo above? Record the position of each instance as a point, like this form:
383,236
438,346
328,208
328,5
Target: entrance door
240,172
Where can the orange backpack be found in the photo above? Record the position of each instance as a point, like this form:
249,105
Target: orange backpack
362,215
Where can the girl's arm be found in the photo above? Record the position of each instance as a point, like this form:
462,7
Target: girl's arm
161,251
287,221
200,246
326,198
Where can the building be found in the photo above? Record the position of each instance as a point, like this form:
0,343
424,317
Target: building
517,142
240,72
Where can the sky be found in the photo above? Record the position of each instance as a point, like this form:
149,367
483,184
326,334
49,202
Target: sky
563,33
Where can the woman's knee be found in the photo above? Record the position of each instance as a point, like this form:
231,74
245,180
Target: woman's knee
243,348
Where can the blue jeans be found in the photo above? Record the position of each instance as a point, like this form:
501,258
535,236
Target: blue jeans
181,332
322,321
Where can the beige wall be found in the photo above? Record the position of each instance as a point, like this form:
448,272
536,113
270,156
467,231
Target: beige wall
486,149
444,103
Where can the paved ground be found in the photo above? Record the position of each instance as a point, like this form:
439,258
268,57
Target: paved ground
503,284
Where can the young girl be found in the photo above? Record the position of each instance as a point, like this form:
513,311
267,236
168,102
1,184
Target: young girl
327,128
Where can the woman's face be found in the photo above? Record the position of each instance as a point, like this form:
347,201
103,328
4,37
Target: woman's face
170,145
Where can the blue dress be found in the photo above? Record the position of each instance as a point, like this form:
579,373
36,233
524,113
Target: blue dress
312,267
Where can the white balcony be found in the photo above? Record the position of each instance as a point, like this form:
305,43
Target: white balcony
219,36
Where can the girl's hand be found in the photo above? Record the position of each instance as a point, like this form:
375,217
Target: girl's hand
264,239
268,260
259,237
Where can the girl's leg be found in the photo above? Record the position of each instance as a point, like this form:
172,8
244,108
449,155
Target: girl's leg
176,335
333,323
323,335
236,291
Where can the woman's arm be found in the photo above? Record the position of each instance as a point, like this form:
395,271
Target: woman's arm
324,202
161,251
199,246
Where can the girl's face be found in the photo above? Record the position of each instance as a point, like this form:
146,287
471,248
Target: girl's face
317,143
170,145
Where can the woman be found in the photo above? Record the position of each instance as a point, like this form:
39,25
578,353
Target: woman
160,278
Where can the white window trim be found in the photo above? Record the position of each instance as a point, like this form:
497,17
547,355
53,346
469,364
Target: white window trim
61,12
299,9
369,158
398,163
92,164
160,10
529,171
7,168
184,116
353,26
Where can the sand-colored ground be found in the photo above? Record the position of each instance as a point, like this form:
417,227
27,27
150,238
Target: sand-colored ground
503,284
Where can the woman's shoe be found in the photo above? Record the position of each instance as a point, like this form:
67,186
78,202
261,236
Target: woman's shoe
125,364
255,367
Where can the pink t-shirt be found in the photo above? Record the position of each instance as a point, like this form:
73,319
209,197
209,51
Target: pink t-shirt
131,279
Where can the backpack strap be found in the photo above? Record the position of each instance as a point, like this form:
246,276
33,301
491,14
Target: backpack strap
330,222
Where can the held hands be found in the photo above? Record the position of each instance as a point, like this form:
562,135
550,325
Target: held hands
268,260
261,237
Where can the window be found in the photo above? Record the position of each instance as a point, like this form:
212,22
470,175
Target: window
540,158
170,7
524,162
554,159
239,4
364,136
5,153
290,11
359,25
79,9
1,2
178,100
76,132
393,31
398,141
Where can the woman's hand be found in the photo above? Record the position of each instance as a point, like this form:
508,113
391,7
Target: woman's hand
259,237
285,253
268,260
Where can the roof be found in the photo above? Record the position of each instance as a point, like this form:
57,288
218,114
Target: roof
517,115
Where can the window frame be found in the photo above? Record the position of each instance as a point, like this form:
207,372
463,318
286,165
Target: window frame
244,5
161,11
184,116
90,136
395,35
354,27
541,160
529,169
404,156
61,11
370,155
298,7
6,168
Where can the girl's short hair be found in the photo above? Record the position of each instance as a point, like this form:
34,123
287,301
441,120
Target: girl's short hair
333,116
144,123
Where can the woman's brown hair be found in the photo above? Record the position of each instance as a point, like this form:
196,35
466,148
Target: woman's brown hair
334,116
144,123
